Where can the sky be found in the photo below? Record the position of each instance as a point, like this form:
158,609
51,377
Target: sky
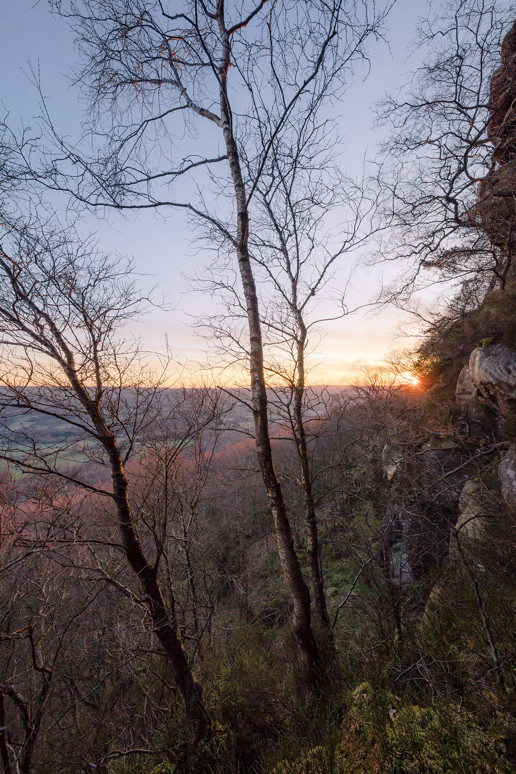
161,248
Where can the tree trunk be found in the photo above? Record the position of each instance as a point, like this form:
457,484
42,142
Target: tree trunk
287,554
34,725
4,742
312,538
164,619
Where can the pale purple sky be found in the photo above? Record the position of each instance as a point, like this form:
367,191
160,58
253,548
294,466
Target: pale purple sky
161,250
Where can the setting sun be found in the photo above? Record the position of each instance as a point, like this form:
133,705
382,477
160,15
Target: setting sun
408,378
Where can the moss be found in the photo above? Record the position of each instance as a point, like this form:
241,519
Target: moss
319,760
426,740
450,341
362,746
381,734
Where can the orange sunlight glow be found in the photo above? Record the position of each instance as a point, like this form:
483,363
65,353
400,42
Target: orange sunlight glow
409,379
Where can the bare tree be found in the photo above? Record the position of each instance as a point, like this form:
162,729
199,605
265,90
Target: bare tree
440,150
243,75
37,631
73,650
170,482
299,191
61,306
294,254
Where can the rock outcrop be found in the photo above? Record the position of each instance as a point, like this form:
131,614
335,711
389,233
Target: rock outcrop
492,371
392,457
501,128
492,375
474,509
422,510
438,491
479,421
495,213
507,478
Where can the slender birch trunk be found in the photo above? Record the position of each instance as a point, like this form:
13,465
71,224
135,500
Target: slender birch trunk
312,538
289,561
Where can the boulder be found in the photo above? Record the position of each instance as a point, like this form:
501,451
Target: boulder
478,420
465,389
507,478
422,510
472,512
391,459
493,375
493,369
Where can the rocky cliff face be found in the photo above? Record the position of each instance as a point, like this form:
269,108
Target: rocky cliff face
493,391
495,212
437,493
426,493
